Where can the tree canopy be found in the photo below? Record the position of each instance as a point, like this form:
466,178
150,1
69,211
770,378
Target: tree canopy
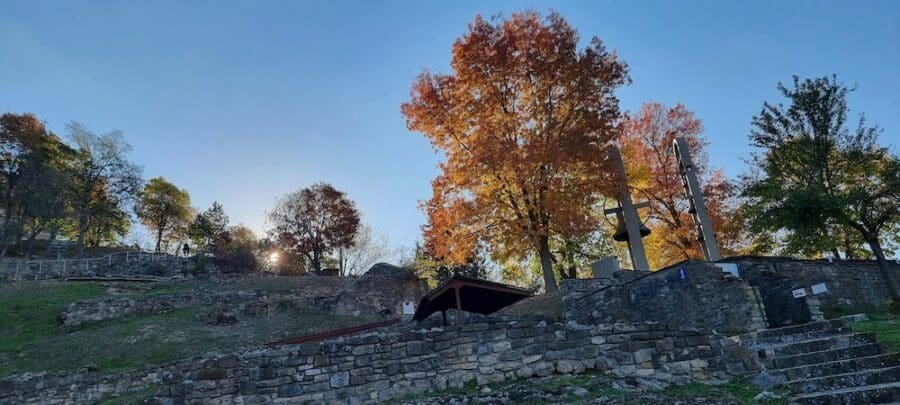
815,174
654,177
523,121
314,221
104,180
165,209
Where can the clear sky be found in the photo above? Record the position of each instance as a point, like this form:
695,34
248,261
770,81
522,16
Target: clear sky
241,102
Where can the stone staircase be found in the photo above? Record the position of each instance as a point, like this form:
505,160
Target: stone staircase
826,363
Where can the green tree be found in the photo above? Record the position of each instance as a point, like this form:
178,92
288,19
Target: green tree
815,174
33,180
164,208
206,225
100,168
106,219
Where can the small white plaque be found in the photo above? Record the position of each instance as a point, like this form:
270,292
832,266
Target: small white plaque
819,288
729,268
799,293
409,308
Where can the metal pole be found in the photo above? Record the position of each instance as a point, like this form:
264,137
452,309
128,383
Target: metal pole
632,220
695,195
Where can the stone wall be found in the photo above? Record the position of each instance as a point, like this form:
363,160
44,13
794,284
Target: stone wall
379,365
94,310
381,290
378,294
576,288
850,283
138,264
692,294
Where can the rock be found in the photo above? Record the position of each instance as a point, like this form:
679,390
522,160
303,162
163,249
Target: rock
766,396
339,380
387,270
220,316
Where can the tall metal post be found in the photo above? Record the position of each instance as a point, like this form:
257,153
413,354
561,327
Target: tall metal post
695,195
629,214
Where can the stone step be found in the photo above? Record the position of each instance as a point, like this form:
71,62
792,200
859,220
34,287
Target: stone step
797,329
844,381
826,343
827,356
870,394
759,343
839,367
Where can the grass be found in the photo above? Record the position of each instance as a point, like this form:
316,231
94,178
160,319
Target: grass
545,305
36,341
129,398
28,311
737,390
886,327
598,387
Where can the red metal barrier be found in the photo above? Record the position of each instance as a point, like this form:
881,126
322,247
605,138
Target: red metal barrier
334,333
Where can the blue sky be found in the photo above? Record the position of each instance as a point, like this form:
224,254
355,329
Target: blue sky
241,102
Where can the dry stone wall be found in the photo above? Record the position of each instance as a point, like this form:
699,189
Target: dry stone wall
139,265
379,365
94,310
380,294
694,295
850,283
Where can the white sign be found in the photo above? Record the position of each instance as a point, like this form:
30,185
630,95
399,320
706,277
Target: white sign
819,288
729,268
799,293
409,308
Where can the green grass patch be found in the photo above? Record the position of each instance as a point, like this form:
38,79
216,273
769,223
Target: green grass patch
737,390
33,339
886,327
29,310
129,398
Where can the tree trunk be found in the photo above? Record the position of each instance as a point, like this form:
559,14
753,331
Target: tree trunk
159,234
316,263
547,265
836,254
82,229
884,269
30,245
53,232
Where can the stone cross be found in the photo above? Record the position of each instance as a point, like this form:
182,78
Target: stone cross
695,195
627,213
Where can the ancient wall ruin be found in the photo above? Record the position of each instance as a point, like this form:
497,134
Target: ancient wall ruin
694,295
850,283
382,364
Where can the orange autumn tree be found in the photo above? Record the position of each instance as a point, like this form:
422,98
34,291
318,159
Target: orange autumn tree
522,121
653,176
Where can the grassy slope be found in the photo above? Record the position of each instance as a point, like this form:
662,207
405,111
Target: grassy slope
886,327
34,340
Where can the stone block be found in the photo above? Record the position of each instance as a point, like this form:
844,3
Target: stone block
341,379
290,390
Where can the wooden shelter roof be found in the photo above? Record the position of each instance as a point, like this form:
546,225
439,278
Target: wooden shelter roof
470,295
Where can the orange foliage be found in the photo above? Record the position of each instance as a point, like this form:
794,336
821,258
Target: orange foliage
654,177
522,120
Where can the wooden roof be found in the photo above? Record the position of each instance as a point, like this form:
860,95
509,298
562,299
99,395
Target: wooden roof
470,295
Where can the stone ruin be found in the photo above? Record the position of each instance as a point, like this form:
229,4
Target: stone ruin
735,295
382,290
